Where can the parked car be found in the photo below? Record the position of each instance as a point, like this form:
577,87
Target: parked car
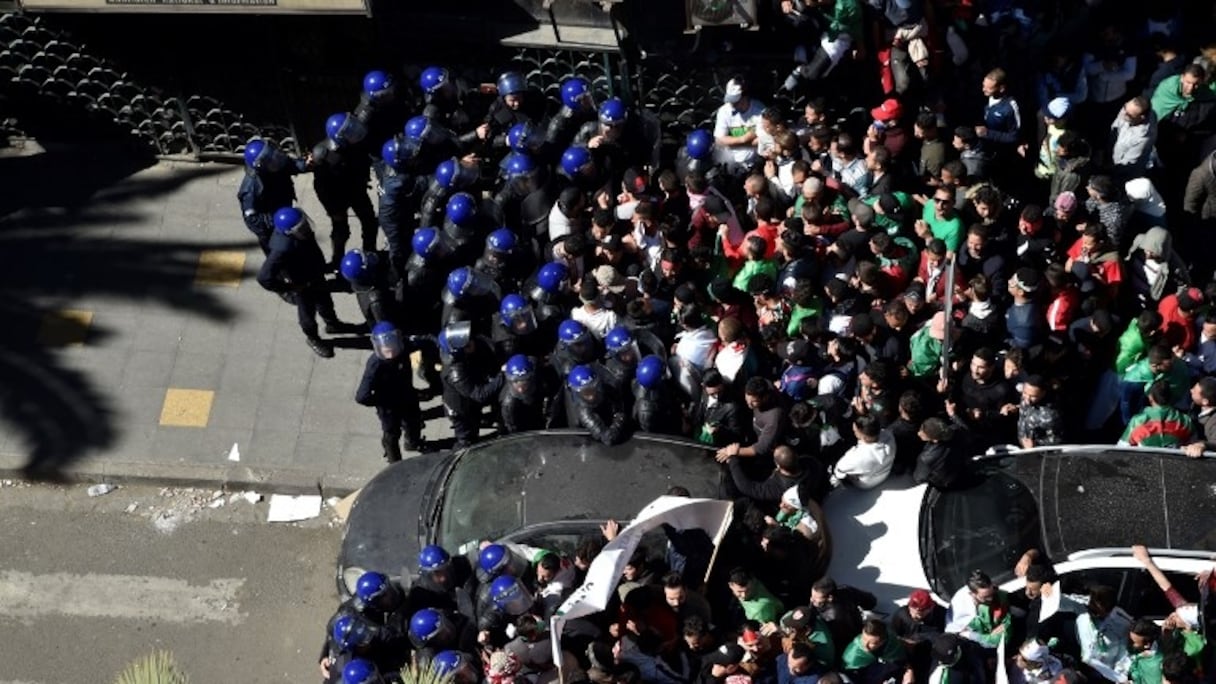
544,489
1084,506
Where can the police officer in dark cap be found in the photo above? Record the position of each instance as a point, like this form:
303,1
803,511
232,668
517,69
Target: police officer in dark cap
266,187
296,265
388,385
341,173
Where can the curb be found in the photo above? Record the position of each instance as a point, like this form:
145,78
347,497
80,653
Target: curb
223,477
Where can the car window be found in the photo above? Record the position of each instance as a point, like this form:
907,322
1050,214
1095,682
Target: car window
1079,582
1149,601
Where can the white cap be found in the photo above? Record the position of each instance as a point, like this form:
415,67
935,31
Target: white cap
734,91
1059,107
790,498
1034,651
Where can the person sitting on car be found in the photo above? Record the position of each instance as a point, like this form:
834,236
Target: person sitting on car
876,656
981,614
841,608
1043,586
868,464
917,624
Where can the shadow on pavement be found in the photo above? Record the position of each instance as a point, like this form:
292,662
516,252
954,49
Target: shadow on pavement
51,250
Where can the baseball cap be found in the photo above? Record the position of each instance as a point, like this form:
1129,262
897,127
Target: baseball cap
947,649
734,91
889,110
920,600
716,206
727,654
798,618
797,352
1059,107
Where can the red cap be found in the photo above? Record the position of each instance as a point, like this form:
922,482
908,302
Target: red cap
920,600
889,110
750,636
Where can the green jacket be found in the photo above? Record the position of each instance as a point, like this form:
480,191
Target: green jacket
926,352
797,314
846,18
1178,377
986,620
1159,426
1131,348
856,657
1168,97
1146,668
761,605
750,269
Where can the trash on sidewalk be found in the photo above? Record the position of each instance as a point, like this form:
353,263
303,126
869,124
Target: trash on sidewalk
284,508
251,497
131,507
216,503
342,507
101,489
234,454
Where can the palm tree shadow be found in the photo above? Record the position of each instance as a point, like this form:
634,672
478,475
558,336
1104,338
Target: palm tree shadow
51,254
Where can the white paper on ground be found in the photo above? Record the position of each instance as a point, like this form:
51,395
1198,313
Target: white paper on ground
285,508
234,454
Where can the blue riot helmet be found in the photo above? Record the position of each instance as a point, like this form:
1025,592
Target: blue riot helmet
453,175
523,137
417,128
352,632
521,376
576,94
431,243
613,112
619,343
432,79
651,371
577,160
465,283
375,589
360,671
378,85
586,385
359,267
518,164
699,144
386,340
552,277
292,221
798,382
264,155
511,83
430,627
433,557
455,338
511,596
344,129
500,244
398,151
517,315
461,209
496,560
575,337
457,665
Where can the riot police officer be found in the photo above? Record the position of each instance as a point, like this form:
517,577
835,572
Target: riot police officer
696,156
550,292
471,379
443,581
426,274
295,265
374,283
503,261
593,409
444,102
341,173
621,355
266,187
467,223
526,198
433,631
616,141
523,404
579,169
360,671
578,108
515,330
461,667
381,110
472,296
515,104
371,624
388,385
451,176
652,398
576,346
400,191
435,141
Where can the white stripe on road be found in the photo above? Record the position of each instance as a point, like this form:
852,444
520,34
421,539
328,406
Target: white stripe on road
27,595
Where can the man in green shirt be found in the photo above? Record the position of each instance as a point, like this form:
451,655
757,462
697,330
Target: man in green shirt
1159,364
1144,660
874,656
758,603
941,220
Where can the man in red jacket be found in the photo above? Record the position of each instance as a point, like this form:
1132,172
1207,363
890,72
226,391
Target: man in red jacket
1178,317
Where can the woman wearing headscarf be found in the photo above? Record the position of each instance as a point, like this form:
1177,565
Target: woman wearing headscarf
1154,268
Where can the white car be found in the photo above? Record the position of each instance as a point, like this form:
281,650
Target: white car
1083,505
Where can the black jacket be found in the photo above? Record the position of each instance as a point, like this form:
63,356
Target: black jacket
768,490
940,464
726,416
473,376
606,422
387,383
292,264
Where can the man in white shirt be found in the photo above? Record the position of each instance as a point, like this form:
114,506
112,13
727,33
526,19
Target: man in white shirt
736,127
594,316
867,464
697,343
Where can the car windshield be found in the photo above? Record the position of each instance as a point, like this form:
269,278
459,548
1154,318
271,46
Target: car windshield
984,527
506,484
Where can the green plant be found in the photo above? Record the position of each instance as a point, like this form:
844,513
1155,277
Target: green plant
156,668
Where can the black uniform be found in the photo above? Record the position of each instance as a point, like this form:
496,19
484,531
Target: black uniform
295,265
471,380
400,197
605,421
261,194
563,127
388,385
653,409
340,179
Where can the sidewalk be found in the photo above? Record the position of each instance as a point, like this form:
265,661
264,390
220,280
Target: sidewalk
137,344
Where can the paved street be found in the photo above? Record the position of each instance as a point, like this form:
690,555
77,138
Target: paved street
137,342
86,586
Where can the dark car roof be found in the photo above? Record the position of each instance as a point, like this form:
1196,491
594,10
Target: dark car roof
578,478
1113,497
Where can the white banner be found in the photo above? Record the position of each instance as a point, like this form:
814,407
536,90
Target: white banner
595,592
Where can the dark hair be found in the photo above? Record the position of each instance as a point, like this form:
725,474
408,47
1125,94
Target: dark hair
845,145
740,577
677,490
979,580
1207,389
1148,322
758,387
589,547
880,241
1159,393
756,247
882,157
1146,629
937,247
868,426
956,169
1158,353
967,135
1195,70
1036,380
1032,213
766,208
695,625
824,585
909,403
986,354
1040,572
936,429
550,561
638,559
673,580
862,325
712,378
1102,597
926,121
801,650
874,627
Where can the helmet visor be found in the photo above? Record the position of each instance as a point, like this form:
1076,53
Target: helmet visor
522,321
387,345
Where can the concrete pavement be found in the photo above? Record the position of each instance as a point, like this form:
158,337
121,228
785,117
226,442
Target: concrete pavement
136,343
